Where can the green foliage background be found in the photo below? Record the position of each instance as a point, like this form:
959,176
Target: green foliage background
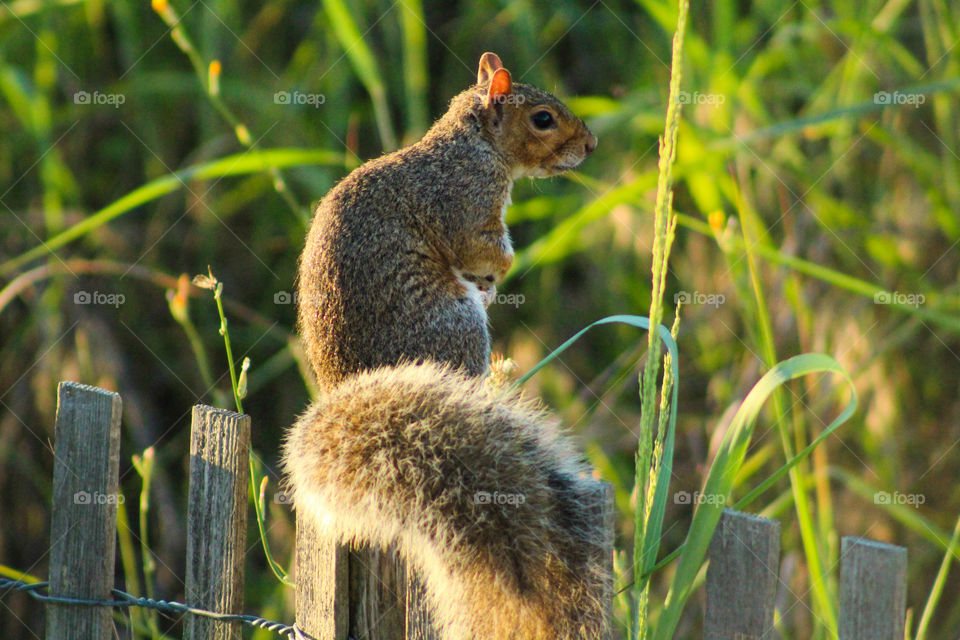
849,198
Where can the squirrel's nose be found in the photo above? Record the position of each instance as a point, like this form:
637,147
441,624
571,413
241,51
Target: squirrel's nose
590,144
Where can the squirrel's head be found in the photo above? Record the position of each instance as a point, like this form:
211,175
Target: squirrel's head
537,134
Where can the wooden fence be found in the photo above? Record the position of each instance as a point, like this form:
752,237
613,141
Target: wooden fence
368,593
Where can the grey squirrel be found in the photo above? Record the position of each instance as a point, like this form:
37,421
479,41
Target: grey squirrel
408,444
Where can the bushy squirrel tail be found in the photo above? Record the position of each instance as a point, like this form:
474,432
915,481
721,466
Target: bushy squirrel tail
477,488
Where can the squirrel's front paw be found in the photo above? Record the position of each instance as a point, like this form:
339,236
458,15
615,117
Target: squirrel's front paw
485,285
488,295
488,290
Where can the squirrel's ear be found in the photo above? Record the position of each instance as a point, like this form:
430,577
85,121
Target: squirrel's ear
489,63
500,87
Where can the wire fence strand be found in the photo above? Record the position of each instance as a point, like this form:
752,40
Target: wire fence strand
124,599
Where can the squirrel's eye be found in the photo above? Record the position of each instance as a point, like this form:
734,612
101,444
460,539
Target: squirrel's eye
542,120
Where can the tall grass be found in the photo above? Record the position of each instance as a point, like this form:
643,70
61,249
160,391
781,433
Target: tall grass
649,489
653,456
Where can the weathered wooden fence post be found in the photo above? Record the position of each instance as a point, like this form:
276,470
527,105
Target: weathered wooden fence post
606,511
378,594
419,620
742,578
217,519
873,590
322,577
369,593
83,533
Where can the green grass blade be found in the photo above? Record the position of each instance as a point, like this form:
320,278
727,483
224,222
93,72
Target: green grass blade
757,491
851,112
640,322
937,589
238,164
722,473
566,237
658,508
128,562
906,515
825,274
817,558
364,63
845,415
415,66
651,446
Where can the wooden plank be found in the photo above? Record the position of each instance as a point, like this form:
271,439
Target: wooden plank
385,601
419,619
605,509
873,590
322,575
84,520
742,578
377,594
217,519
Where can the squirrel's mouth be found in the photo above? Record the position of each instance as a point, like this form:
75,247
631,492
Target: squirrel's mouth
564,165
548,169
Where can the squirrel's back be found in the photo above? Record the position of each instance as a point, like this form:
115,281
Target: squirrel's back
404,253
376,283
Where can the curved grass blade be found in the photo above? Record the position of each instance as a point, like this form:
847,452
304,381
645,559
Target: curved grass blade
659,506
723,471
